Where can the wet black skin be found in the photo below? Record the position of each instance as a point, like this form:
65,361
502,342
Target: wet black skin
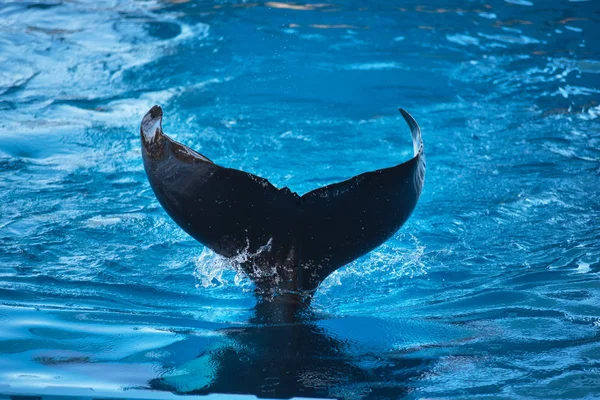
297,240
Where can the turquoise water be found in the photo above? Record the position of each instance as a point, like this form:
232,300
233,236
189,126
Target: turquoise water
492,288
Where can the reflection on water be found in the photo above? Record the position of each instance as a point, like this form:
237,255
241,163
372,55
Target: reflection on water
491,288
282,359
278,353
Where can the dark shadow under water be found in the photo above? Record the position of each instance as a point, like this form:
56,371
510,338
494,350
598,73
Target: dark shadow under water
284,353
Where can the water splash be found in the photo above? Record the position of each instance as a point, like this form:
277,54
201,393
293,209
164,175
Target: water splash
213,270
390,262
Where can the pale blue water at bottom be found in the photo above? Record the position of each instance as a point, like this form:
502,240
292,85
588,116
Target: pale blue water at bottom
492,288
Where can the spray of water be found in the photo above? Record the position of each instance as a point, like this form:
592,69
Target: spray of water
213,270
388,262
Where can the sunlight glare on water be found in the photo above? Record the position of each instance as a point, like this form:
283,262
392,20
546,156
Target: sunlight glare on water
490,289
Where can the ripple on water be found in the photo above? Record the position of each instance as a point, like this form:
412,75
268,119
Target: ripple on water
490,289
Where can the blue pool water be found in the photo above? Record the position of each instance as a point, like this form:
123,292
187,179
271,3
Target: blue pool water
491,289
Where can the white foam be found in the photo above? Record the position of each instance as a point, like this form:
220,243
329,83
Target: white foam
100,222
463,40
211,267
374,66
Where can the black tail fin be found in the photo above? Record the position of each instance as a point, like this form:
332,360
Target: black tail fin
346,220
293,242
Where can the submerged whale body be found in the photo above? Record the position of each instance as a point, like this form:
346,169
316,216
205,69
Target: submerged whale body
294,242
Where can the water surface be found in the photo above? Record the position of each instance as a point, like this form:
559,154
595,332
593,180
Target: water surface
492,288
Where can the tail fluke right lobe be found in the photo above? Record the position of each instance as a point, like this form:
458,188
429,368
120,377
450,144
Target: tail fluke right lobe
343,221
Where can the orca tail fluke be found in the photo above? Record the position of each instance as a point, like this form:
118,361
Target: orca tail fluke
296,241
